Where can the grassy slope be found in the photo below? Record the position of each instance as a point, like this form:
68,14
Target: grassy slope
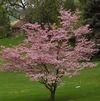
16,87
11,41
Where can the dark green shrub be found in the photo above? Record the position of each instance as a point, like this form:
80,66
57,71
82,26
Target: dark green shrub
4,23
92,16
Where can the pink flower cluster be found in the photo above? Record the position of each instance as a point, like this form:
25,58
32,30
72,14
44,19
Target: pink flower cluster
46,55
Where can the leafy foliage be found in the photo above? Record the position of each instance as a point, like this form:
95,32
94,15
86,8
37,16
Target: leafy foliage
45,11
4,23
92,14
69,4
42,11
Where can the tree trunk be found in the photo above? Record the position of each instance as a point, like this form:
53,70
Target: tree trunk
52,97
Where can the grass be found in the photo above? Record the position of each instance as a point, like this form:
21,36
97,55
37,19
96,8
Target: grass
8,42
17,87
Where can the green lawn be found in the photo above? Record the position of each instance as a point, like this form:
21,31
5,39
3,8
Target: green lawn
17,87
8,42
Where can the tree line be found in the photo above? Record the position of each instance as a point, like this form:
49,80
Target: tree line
47,11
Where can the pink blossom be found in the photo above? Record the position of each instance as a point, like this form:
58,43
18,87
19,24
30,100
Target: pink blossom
47,56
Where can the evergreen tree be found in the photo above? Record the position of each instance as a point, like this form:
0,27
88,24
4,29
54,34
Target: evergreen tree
4,23
92,16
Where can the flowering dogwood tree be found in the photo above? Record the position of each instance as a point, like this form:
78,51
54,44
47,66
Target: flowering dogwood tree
46,55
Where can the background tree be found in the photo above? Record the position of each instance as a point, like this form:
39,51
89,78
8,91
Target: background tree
69,5
47,56
83,3
43,11
4,23
92,15
16,8
74,4
46,11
